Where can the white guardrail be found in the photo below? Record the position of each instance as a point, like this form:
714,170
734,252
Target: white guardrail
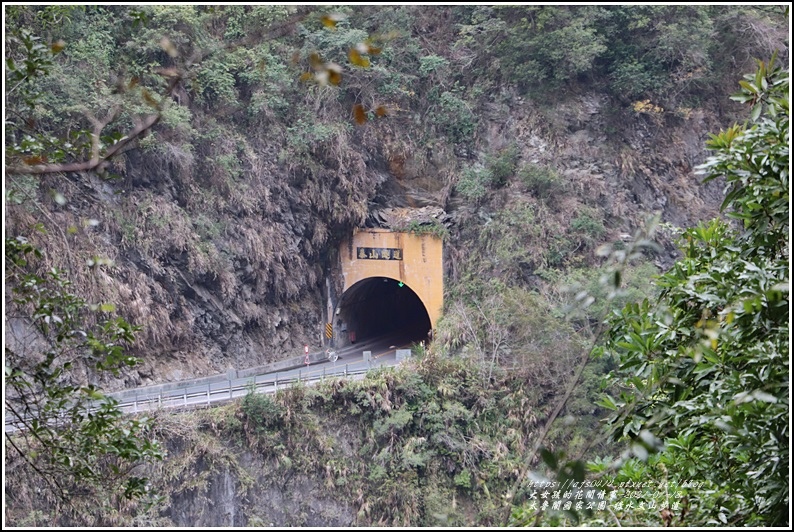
203,395
192,397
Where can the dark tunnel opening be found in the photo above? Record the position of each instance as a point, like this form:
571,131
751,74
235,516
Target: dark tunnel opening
380,306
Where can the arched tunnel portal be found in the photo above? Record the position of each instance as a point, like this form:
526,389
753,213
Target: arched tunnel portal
392,283
381,306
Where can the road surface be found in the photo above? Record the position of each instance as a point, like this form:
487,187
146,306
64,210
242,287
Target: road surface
221,388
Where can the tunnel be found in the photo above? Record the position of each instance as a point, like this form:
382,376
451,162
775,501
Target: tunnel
380,306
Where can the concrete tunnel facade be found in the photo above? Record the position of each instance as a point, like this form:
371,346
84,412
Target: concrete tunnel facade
392,281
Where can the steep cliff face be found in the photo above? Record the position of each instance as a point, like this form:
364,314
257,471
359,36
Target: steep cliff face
223,222
237,280
395,450
528,137
233,498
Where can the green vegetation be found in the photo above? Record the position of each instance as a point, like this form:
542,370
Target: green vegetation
702,373
425,445
666,53
705,367
453,117
58,345
502,165
260,412
587,228
543,182
473,183
74,438
435,228
193,168
476,181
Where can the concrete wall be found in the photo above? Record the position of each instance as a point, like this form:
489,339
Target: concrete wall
420,265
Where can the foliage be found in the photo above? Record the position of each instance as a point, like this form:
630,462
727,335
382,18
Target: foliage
705,367
553,46
36,60
74,438
260,412
526,237
502,165
672,54
430,63
454,117
588,229
72,435
245,179
542,181
430,434
217,82
473,182
75,119
434,228
510,329
634,79
636,284
506,239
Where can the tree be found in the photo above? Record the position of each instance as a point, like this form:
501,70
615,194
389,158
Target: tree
74,107
705,367
68,432
57,344
65,430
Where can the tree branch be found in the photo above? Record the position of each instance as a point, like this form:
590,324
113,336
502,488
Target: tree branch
96,162
50,479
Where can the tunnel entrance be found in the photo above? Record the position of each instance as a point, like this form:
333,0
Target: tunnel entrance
378,306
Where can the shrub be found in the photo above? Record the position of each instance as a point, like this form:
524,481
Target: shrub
261,412
217,82
503,164
705,366
588,226
542,181
473,183
455,119
463,479
431,63
435,228
633,80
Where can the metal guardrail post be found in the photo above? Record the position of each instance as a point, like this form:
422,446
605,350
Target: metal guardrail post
169,398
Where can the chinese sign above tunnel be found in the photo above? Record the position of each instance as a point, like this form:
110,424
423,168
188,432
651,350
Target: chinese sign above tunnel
380,253
416,260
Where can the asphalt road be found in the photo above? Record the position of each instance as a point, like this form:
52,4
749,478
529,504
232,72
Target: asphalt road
219,389
351,362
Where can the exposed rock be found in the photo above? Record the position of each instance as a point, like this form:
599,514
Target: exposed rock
401,218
